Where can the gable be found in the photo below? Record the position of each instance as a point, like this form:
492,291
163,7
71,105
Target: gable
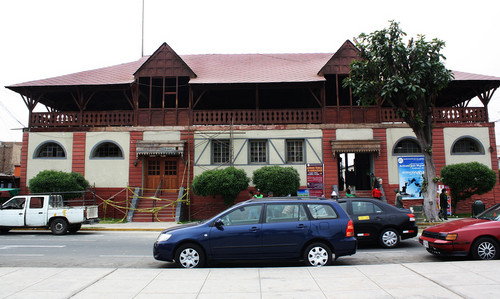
339,63
164,63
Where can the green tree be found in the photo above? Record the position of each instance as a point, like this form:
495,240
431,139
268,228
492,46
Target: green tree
48,181
279,180
407,77
467,179
227,182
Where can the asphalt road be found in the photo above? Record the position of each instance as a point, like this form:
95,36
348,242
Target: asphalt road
133,249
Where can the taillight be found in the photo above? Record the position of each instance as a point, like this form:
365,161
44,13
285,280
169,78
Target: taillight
412,217
349,232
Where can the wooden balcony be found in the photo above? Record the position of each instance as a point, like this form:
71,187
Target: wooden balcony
172,117
84,119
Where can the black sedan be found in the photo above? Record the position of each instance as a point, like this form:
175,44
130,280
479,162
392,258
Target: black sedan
377,221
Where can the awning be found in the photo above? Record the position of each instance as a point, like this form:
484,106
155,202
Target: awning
355,146
159,148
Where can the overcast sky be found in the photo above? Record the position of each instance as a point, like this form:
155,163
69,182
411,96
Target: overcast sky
48,38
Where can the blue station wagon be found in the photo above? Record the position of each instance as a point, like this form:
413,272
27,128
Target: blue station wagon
316,231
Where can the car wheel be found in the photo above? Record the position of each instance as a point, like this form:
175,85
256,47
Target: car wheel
317,254
190,256
389,238
485,249
59,226
74,228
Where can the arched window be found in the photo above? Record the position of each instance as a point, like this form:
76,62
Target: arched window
50,149
407,146
467,145
107,150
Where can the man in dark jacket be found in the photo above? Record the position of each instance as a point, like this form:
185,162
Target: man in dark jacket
443,203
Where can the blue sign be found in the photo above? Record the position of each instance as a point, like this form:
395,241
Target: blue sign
411,171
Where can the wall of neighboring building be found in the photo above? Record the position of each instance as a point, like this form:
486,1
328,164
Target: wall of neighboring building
37,164
10,156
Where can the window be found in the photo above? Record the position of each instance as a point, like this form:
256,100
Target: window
294,151
365,207
50,150
36,203
467,145
220,151
107,150
15,203
243,215
322,211
285,213
258,151
407,146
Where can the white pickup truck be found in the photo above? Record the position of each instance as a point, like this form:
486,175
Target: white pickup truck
47,211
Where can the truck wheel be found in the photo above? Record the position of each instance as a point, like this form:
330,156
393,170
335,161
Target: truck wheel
59,226
74,228
4,230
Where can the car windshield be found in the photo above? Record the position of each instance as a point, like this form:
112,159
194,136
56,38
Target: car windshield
492,213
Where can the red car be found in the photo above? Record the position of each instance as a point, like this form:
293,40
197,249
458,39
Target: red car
478,237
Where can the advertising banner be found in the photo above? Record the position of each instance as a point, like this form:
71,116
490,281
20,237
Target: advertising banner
315,179
411,170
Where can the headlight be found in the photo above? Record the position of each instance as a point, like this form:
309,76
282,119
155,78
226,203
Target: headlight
163,237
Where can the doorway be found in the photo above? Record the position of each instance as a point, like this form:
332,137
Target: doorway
161,169
354,170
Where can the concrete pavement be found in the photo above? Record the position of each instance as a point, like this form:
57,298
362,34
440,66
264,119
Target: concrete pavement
464,279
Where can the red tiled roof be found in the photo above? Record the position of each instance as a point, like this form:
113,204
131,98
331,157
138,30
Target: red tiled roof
221,68
462,76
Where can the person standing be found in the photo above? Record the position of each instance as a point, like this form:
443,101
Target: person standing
399,199
443,203
258,194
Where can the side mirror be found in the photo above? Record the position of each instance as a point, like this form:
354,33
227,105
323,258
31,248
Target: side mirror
218,223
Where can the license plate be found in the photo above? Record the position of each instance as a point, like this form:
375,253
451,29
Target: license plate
426,244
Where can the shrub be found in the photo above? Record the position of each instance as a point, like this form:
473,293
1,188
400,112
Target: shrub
227,182
279,180
467,179
49,181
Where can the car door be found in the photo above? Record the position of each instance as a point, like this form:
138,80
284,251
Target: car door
240,235
368,218
12,212
35,213
284,230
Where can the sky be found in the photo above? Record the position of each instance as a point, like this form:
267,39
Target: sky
43,39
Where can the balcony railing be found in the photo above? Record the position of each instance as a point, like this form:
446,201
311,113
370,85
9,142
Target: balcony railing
267,116
331,115
85,119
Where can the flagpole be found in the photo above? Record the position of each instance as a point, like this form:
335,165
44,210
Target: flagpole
142,45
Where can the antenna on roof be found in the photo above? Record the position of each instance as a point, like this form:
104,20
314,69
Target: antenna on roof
142,45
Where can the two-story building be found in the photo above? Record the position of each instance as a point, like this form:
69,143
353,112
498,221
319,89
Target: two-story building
159,121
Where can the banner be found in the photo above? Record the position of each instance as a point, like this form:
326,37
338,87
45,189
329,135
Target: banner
411,170
315,179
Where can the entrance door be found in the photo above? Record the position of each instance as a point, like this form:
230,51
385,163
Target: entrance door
355,169
161,169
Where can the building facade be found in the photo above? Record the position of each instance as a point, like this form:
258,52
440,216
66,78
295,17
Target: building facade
155,123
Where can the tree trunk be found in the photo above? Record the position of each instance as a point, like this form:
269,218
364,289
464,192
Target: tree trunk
430,194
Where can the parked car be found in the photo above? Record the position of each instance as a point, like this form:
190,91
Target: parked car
478,237
314,230
377,221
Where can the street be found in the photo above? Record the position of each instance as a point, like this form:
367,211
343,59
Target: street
133,249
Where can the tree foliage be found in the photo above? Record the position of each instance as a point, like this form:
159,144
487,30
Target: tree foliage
406,76
467,179
279,180
49,181
227,182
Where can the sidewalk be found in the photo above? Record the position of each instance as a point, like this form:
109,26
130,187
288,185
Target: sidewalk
465,279
130,226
